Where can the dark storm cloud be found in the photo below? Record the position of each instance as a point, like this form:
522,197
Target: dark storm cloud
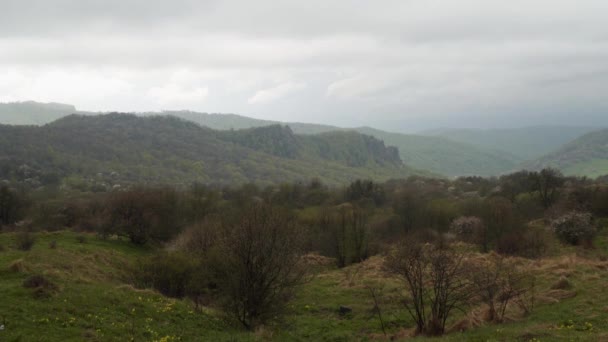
422,62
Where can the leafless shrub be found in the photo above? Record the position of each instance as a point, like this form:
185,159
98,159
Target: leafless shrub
25,240
435,279
42,287
498,283
348,233
198,238
258,264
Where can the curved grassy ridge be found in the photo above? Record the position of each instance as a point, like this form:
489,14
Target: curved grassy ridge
94,302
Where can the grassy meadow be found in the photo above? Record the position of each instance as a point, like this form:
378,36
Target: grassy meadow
91,299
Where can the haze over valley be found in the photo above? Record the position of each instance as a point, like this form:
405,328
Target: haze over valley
344,170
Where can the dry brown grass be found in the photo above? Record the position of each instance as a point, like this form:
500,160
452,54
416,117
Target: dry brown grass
365,273
562,284
555,296
474,318
130,287
317,260
18,266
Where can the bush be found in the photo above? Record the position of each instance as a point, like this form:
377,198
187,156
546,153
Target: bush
25,241
175,275
348,233
499,283
144,215
43,287
528,242
258,264
198,238
12,206
434,278
574,228
468,229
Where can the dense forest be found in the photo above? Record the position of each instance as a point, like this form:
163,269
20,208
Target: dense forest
100,152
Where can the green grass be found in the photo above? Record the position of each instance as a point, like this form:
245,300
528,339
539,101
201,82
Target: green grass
95,303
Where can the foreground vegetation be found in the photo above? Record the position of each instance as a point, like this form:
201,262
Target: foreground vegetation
523,258
95,302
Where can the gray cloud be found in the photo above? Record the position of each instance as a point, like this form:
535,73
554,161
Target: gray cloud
399,64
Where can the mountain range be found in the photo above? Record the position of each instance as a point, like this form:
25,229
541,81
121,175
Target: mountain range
448,152
526,143
585,156
124,148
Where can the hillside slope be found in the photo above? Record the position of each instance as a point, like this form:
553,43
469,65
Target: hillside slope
525,143
434,154
33,113
585,156
458,153
345,147
171,150
446,157
236,122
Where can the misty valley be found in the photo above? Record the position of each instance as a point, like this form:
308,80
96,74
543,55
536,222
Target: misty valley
340,171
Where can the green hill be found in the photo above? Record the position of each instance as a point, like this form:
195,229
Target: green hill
33,113
236,122
585,156
119,148
525,143
346,147
452,153
435,154
446,157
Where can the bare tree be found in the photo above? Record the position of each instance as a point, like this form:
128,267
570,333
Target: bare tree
11,205
258,264
547,183
435,280
348,231
337,236
376,309
498,283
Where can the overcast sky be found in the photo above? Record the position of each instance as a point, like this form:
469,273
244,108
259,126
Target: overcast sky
403,65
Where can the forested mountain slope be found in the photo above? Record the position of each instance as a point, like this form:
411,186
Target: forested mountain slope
585,156
525,143
456,152
33,113
442,156
161,149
